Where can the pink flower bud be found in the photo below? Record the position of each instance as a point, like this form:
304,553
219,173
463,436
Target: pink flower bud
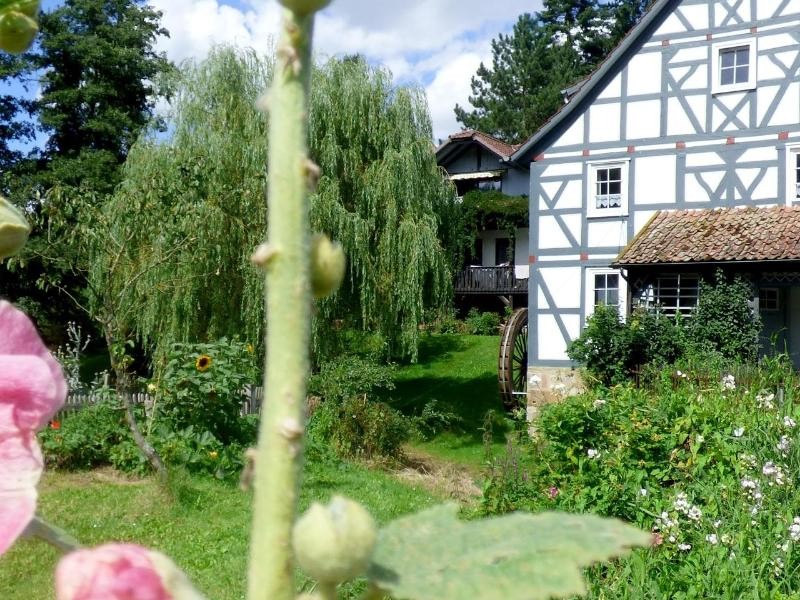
32,389
121,572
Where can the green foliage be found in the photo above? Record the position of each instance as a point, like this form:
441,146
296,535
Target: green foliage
98,91
432,555
704,460
492,209
724,321
545,53
87,438
381,195
349,376
201,387
200,452
433,419
723,325
482,323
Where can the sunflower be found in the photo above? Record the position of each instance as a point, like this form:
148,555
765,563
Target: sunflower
203,363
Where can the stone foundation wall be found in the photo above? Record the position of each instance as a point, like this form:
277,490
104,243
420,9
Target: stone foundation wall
550,384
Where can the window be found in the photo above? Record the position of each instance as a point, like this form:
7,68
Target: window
607,197
491,184
671,294
792,175
503,255
605,286
734,66
769,300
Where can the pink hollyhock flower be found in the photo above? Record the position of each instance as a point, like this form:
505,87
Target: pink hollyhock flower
121,572
32,389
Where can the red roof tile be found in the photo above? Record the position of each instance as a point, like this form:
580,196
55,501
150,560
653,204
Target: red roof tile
720,235
492,143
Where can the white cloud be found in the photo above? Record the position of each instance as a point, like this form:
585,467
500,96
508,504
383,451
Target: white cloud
434,43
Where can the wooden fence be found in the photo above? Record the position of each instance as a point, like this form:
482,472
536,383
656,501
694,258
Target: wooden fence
253,397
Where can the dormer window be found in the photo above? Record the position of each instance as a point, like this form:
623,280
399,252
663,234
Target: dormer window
607,187
734,66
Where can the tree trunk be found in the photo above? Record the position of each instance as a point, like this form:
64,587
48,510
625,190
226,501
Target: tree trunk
123,393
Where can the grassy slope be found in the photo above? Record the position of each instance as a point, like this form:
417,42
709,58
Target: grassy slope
205,530
460,372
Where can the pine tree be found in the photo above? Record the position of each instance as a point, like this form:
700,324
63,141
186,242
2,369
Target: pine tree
544,54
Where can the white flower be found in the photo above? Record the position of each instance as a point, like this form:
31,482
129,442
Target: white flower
559,388
728,382
534,379
592,453
749,484
794,530
784,445
671,539
774,472
598,403
738,432
694,513
789,422
681,374
684,547
681,503
717,523
725,538
765,399
643,492
712,539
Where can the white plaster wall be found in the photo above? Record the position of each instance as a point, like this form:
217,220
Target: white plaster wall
678,122
640,219
721,14
768,8
644,119
551,341
604,234
572,136
552,236
521,267
644,74
788,109
571,196
654,182
604,123
695,192
564,285
613,89
561,169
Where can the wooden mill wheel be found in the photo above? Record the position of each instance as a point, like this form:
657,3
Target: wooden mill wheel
512,364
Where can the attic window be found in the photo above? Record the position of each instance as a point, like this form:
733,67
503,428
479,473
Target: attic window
734,66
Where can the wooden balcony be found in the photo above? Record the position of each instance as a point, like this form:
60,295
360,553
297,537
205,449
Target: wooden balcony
489,280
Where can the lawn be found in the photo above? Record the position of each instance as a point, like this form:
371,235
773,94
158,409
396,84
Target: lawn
203,525
460,373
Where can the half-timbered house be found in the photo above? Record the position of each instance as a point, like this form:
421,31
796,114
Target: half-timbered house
670,161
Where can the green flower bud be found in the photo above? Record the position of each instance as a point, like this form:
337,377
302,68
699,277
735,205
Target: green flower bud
305,7
334,543
18,26
14,229
327,266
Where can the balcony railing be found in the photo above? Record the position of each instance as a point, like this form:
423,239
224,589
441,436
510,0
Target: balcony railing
489,280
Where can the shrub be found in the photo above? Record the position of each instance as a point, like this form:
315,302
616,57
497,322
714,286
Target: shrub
724,320
360,428
348,376
707,464
486,323
433,419
87,437
603,346
202,387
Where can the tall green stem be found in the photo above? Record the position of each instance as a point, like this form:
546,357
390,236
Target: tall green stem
288,306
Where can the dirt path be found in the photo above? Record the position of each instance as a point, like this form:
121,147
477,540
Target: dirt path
439,476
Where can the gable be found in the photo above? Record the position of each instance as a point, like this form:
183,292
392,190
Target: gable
657,85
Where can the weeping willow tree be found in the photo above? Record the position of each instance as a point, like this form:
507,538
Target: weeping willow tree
194,207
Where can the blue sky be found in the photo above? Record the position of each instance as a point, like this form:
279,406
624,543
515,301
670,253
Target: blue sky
436,44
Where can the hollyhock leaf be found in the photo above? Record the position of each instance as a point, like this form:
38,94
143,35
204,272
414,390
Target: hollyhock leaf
432,555
121,572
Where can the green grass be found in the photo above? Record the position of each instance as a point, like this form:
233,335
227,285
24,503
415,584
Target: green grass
460,372
204,525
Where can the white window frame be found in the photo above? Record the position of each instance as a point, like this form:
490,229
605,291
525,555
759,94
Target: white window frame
792,186
622,291
716,50
591,208
652,296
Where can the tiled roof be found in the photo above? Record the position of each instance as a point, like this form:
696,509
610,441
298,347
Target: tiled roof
720,235
499,147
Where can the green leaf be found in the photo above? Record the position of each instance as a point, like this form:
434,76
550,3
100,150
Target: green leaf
433,556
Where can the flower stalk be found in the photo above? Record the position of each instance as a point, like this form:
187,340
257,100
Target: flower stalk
288,311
